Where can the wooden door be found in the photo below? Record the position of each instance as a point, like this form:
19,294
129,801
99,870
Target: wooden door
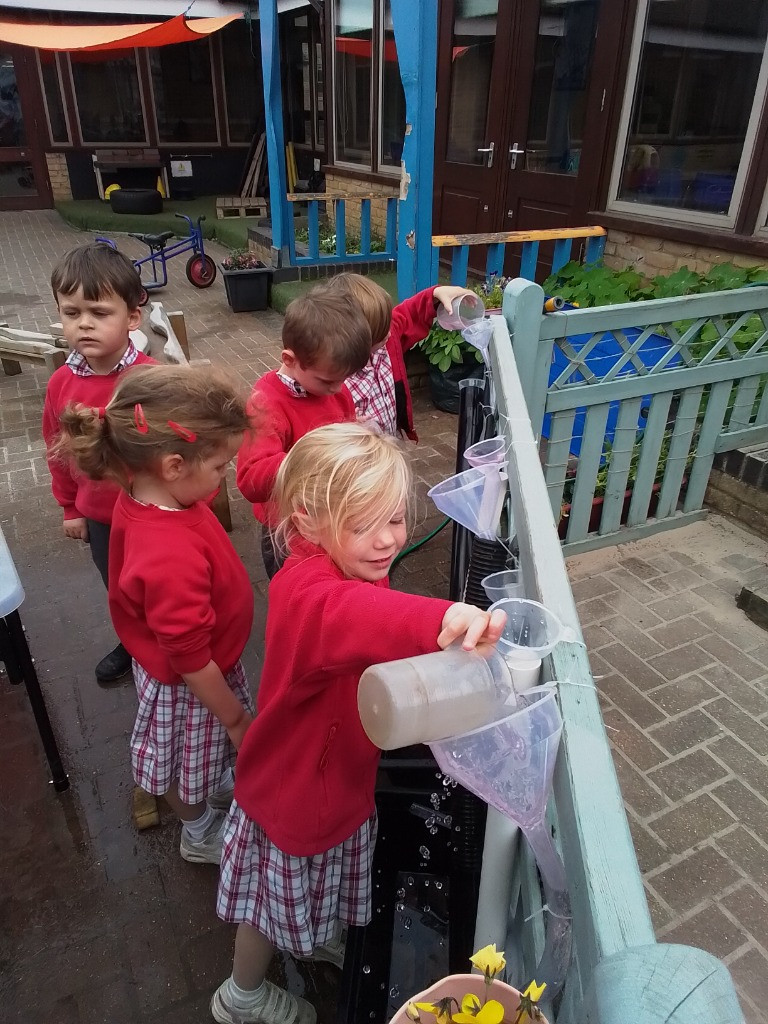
472,86
24,183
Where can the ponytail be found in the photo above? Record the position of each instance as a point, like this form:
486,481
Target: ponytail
85,439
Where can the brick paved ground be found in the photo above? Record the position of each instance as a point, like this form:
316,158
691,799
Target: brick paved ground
102,924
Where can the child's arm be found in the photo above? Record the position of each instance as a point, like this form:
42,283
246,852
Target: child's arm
475,625
259,460
62,481
210,687
412,318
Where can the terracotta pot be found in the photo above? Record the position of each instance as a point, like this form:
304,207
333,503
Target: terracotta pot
459,985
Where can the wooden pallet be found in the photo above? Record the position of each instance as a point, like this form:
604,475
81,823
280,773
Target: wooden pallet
236,206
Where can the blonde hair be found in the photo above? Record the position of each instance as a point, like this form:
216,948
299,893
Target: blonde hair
154,411
338,475
374,301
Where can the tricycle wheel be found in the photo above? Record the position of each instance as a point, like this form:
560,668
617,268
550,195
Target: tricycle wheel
201,271
144,297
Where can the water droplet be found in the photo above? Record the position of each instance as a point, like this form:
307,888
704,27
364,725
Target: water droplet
438,885
435,800
438,775
457,828
424,851
394,992
400,894
427,908
366,968
372,1015
382,985
433,830
430,821
448,820
426,883
399,907
410,879
454,783
407,923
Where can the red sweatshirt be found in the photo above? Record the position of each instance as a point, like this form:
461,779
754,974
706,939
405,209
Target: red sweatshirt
78,496
179,596
306,770
411,322
280,419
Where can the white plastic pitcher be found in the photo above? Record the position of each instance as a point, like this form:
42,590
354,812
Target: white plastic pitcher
466,309
429,697
473,498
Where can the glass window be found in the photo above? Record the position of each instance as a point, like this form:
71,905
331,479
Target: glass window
352,49
49,72
695,87
17,180
391,98
319,97
560,79
182,85
474,35
108,96
12,132
298,73
243,89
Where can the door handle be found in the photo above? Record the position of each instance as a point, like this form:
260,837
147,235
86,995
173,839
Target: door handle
514,153
489,150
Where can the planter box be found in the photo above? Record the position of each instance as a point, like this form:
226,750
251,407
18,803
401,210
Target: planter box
247,290
596,513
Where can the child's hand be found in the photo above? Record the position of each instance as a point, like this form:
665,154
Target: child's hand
444,294
473,624
76,529
237,732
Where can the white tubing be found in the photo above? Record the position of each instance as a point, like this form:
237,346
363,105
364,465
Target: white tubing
495,895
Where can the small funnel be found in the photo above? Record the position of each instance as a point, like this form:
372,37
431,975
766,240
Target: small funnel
490,452
531,630
478,335
505,584
473,498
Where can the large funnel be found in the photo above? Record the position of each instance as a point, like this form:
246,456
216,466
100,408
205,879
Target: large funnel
473,498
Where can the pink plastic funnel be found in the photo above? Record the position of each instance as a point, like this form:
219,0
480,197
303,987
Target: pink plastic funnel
490,452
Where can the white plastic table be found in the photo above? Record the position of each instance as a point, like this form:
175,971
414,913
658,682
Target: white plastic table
14,653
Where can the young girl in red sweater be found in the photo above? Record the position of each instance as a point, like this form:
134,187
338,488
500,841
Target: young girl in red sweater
299,839
180,599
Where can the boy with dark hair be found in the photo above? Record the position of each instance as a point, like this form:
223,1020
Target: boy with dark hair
325,339
98,292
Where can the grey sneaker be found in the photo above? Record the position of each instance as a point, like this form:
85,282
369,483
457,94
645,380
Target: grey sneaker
208,849
280,1007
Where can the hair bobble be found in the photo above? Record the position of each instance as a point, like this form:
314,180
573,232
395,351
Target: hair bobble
101,411
183,432
140,419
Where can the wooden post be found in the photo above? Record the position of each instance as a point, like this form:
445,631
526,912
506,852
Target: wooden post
179,325
273,111
522,307
415,28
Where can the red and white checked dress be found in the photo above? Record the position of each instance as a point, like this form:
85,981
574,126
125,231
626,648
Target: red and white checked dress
293,901
373,392
175,737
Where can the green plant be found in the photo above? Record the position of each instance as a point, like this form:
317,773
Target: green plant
241,259
327,241
444,348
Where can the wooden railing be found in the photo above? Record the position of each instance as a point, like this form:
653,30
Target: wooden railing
309,253
529,241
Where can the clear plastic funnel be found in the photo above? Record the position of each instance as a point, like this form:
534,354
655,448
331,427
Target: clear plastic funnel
473,498
491,452
466,309
479,334
506,584
531,630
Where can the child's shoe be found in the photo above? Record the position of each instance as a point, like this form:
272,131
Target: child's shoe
113,666
279,1007
208,849
221,800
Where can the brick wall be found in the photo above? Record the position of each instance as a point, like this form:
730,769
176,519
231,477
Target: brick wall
335,185
651,256
59,175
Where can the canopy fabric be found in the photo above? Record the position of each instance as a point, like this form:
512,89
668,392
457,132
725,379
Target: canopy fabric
111,37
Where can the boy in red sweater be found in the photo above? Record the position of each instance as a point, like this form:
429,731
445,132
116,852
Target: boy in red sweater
380,389
97,291
325,339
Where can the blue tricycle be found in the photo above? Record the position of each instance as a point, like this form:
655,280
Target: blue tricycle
200,269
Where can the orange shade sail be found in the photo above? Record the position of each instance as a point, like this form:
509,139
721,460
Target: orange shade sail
111,37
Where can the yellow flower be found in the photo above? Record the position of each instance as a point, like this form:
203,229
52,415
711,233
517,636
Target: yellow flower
528,1000
412,1012
489,961
440,1009
472,1012
534,991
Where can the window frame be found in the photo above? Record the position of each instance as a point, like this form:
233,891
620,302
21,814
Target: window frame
649,211
214,97
62,95
381,167
113,143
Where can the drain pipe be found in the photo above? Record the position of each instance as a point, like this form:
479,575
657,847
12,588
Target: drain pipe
471,420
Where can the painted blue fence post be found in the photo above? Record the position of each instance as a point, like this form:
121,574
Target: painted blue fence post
415,28
273,108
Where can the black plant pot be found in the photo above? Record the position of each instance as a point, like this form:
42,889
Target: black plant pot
247,290
444,384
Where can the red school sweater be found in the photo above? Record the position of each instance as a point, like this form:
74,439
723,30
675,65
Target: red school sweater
280,418
306,770
78,496
179,596
411,323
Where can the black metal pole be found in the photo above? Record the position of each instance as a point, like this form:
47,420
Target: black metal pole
471,420
18,661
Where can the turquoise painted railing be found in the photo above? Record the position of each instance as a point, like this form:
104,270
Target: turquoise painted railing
312,256
529,241
619,974
684,379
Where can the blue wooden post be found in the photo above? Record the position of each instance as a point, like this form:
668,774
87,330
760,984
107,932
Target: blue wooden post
273,109
415,28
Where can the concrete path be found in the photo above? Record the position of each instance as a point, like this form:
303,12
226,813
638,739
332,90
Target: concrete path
102,924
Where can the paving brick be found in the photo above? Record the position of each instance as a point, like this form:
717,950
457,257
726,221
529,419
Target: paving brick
680,631
639,568
641,674
747,807
701,876
682,661
632,702
690,823
747,696
651,853
683,694
726,714
640,643
709,929
633,742
732,657
596,586
742,761
686,731
688,774
750,909
641,795
747,852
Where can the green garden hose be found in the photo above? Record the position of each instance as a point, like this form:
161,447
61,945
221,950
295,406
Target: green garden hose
420,543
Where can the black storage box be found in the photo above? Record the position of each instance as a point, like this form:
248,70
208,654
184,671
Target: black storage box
248,290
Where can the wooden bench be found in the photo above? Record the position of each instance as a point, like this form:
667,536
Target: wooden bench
125,159
31,345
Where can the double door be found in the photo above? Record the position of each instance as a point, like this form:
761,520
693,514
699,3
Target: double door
24,181
522,112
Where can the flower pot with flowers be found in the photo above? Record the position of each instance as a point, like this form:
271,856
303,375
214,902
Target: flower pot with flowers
474,998
246,280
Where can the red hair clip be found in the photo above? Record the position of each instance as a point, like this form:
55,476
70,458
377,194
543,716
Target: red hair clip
140,419
101,411
183,432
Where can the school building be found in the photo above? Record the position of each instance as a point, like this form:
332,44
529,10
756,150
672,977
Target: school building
646,116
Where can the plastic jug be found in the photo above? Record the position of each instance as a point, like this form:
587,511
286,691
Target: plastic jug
473,498
466,309
505,584
11,590
430,697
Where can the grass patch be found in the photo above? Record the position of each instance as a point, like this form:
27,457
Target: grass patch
284,293
95,215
